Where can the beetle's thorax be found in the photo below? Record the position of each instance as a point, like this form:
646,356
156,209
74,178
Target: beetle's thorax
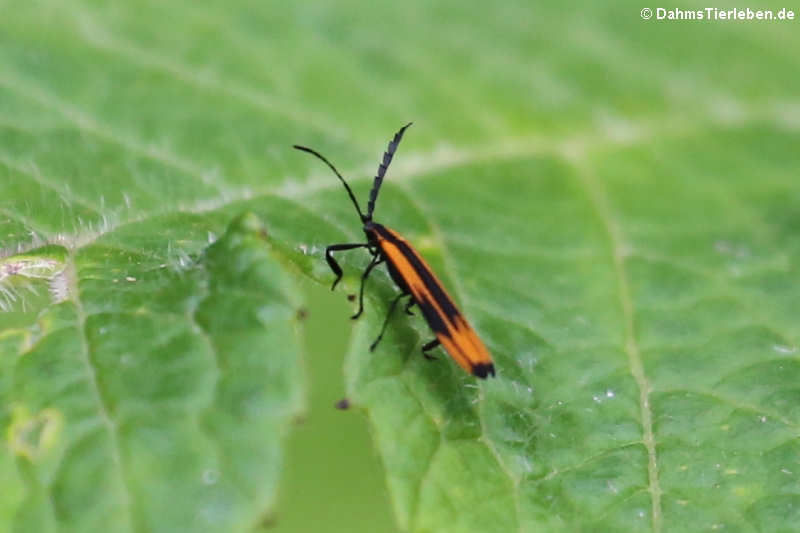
372,230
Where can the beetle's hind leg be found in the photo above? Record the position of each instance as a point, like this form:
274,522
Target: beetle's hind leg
428,347
386,320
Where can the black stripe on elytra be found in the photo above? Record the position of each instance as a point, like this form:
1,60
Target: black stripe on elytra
433,318
430,282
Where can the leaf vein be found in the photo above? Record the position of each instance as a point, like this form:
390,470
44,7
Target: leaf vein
737,404
460,296
143,58
86,123
99,398
66,195
600,203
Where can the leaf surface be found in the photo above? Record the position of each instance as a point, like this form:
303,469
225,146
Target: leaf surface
612,201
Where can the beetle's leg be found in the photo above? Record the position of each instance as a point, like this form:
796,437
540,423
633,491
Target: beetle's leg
332,262
376,260
386,320
409,305
428,347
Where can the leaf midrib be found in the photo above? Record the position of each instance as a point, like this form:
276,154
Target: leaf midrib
99,398
599,200
422,164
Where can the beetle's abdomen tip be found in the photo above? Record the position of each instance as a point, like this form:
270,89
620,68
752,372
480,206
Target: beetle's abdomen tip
483,370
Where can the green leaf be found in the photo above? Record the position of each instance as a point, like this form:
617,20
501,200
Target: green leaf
646,370
612,201
154,395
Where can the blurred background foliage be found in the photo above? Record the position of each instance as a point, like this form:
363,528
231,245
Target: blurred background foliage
333,479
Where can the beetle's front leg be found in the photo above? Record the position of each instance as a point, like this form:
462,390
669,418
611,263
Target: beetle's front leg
337,270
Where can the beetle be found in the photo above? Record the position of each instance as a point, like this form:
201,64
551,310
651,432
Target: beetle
413,277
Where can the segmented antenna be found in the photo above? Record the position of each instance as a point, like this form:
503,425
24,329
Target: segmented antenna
346,186
387,158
